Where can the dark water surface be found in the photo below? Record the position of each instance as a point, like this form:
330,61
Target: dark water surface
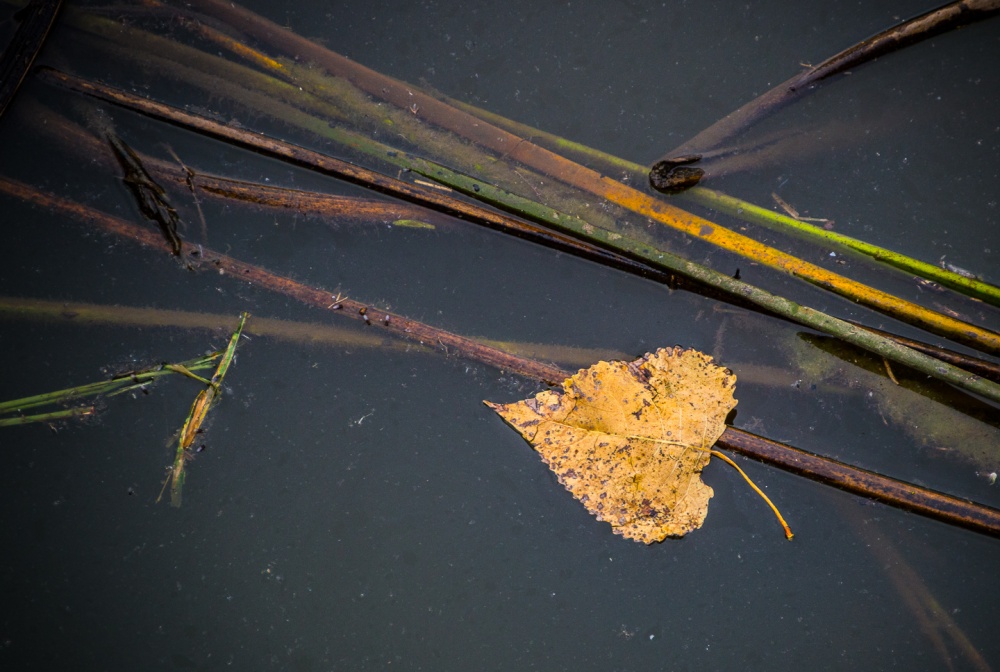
359,508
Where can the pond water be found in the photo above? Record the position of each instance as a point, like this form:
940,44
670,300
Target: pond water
358,507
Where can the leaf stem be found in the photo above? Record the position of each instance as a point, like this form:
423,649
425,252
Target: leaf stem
724,458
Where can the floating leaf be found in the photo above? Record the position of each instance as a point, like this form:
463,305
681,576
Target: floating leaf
629,440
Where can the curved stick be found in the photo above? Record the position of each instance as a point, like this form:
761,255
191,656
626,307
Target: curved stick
901,35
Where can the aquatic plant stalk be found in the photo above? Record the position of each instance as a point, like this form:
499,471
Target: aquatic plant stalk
757,214
744,210
339,304
607,239
800,314
199,412
590,181
303,333
325,204
293,102
116,385
53,416
386,322
966,284
903,495
890,491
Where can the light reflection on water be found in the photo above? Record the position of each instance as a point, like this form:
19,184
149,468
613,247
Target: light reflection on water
359,508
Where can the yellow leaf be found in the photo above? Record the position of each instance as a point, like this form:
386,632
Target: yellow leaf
629,440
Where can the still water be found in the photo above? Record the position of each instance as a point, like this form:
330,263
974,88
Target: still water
358,507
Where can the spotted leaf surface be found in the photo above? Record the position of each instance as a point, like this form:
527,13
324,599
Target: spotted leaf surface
630,439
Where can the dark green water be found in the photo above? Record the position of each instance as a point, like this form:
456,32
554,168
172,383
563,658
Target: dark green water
359,508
